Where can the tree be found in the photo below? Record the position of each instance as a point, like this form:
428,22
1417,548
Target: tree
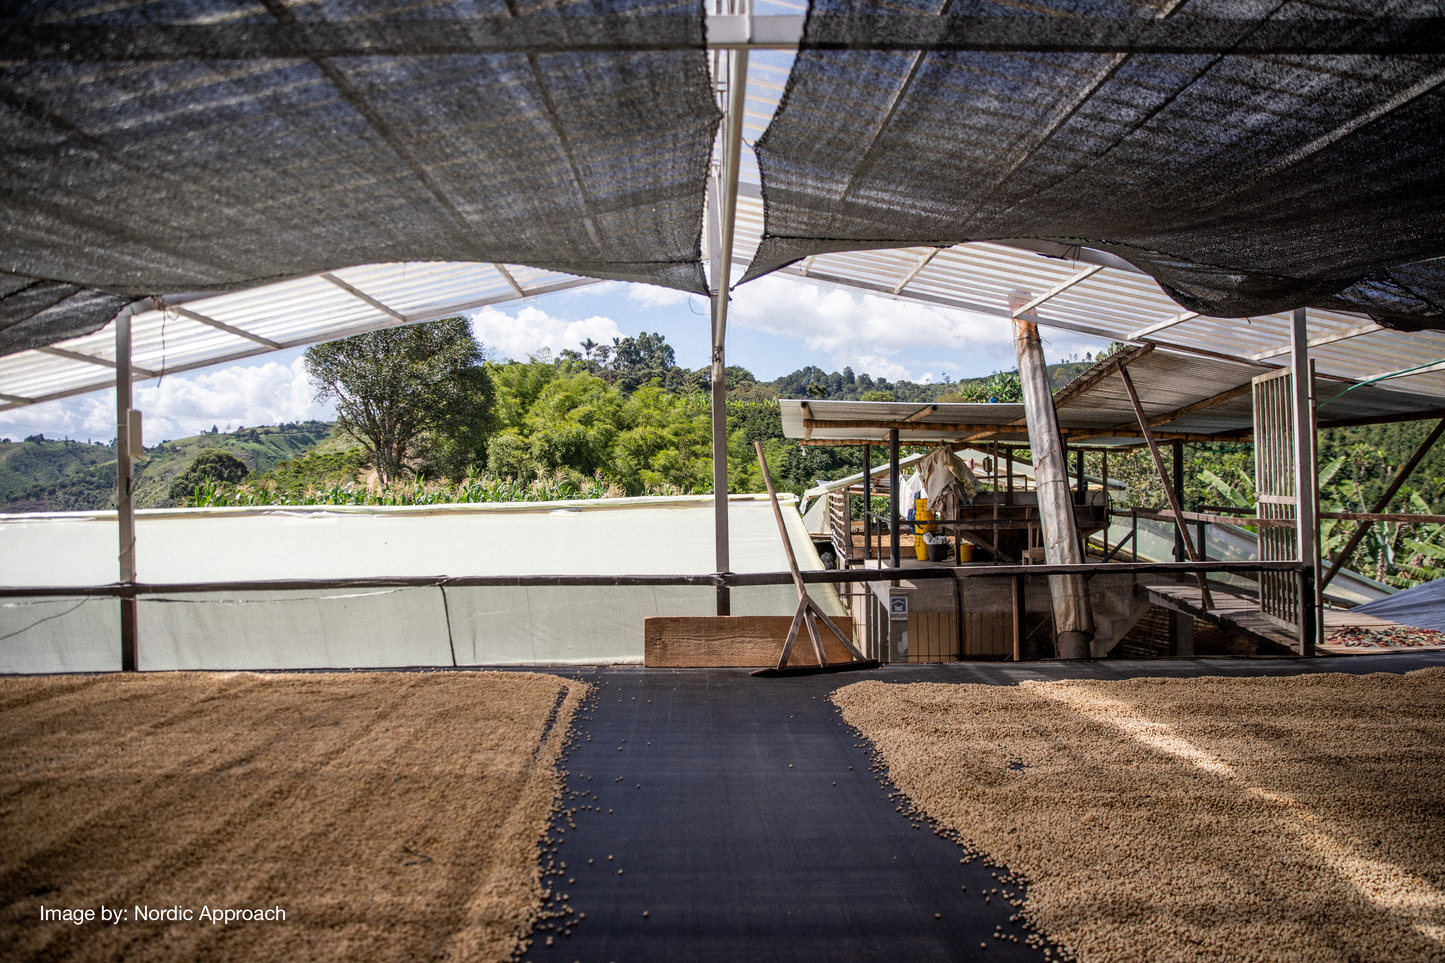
414,397
213,465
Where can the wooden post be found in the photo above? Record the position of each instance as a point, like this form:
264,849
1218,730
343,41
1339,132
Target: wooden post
1081,488
893,526
867,503
1108,510
1384,502
1018,604
1177,451
125,416
1307,481
1073,620
1009,481
1205,598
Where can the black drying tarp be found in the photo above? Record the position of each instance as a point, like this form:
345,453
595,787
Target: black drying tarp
1422,606
1245,184
270,143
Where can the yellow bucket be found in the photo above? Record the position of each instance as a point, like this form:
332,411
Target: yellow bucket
921,514
965,551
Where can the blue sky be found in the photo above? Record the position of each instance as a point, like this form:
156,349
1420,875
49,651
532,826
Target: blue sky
776,325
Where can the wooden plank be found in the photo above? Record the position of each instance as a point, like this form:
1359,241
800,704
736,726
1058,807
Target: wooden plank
711,641
1228,611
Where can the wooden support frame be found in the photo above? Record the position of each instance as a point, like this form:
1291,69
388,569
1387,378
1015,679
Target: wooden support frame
1183,529
1400,477
808,613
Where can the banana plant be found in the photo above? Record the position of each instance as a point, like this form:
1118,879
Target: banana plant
1426,545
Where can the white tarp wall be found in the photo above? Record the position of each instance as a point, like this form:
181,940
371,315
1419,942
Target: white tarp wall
384,627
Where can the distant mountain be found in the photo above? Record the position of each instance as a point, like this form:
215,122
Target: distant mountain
42,475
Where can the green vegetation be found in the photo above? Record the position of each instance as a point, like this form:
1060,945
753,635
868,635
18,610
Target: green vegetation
63,476
213,465
40,475
624,419
414,396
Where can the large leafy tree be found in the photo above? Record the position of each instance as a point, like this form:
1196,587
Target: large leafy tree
417,397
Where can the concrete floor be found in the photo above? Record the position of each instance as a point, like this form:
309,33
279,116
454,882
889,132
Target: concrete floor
740,830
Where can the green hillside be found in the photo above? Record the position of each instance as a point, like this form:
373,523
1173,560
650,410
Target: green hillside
30,468
64,476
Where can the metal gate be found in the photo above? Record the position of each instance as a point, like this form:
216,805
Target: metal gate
1277,490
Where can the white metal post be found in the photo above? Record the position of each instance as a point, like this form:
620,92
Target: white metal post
125,496
722,259
1306,477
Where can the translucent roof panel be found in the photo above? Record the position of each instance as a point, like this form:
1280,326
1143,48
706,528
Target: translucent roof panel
185,334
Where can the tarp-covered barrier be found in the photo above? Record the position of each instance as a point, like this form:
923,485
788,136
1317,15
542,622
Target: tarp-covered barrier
201,145
1422,606
1244,183
378,626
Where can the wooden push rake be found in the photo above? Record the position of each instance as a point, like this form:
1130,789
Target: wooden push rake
808,612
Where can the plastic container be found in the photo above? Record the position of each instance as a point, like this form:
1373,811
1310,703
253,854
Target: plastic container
965,551
939,551
921,514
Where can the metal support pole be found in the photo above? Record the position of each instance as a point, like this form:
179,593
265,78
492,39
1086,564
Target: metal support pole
124,491
1177,449
720,466
1081,489
722,260
893,526
1306,477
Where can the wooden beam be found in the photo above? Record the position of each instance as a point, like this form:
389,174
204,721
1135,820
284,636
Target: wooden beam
1410,517
895,425
1207,403
1384,419
925,410
223,326
1363,329
707,641
1160,326
1075,389
1214,519
1059,288
913,272
1164,479
92,359
511,281
1381,503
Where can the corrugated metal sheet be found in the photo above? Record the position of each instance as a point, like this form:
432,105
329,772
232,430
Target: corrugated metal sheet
1167,381
287,314
1115,304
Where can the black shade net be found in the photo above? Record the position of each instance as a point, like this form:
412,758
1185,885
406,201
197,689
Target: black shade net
1245,184
205,145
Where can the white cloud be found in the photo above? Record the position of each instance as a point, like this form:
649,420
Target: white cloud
182,405
653,296
885,337
533,329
